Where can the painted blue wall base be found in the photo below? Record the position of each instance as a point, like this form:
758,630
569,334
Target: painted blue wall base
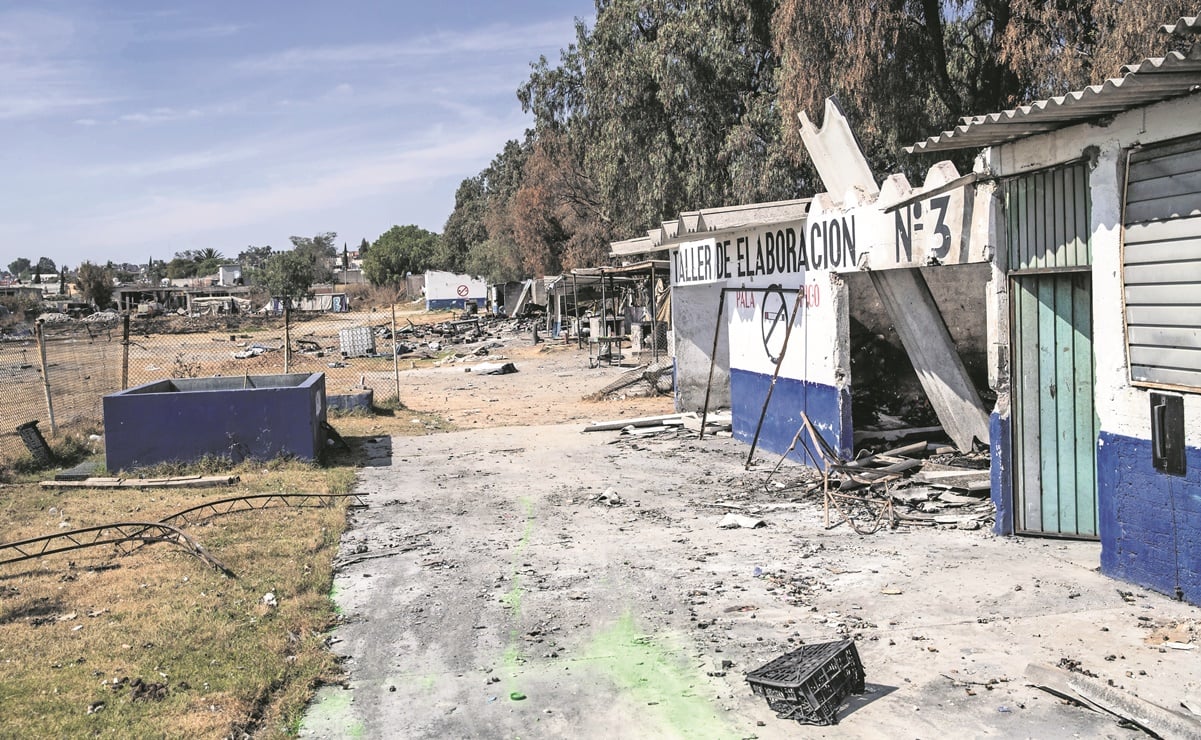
829,409
1001,471
1150,523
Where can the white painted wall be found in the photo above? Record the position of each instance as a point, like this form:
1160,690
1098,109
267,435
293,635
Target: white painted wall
1121,407
444,286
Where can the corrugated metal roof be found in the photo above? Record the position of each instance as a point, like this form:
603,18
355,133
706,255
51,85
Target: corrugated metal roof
1150,81
630,246
695,224
1188,24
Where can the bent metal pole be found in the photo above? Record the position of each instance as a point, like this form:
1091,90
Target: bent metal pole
779,361
721,312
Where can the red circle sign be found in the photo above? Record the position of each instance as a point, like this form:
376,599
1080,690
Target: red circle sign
462,291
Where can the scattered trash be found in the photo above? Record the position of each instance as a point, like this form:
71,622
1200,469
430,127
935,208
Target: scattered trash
491,368
517,696
737,521
270,600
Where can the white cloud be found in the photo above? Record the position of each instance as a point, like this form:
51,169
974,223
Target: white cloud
492,39
337,179
41,70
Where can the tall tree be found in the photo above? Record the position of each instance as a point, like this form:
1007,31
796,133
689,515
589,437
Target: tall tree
905,69
465,226
20,266
661,107
289,274
320,251
95,283
46,266
397,252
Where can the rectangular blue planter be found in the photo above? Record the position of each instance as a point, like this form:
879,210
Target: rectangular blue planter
185,419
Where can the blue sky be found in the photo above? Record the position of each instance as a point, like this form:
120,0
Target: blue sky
134,130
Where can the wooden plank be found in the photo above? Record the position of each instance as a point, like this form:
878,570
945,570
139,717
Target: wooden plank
1086,412
1065,403
193,481
1096,694
924,335
642,421
1048,416
1083,220
1026,406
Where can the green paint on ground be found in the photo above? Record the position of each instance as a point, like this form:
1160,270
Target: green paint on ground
512,599
331,711
657,680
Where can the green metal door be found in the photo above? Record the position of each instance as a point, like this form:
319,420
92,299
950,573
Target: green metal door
1050,298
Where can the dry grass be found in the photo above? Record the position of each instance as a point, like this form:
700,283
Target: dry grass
77,629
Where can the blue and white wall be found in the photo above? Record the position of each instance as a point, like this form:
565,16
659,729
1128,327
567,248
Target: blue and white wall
1149,521
766,272
449,290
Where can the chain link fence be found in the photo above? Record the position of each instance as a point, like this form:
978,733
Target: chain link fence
58,373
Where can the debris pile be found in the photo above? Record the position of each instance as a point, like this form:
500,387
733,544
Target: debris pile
654,379
667,426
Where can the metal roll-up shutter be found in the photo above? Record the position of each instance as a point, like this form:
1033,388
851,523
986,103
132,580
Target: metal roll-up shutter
1161,265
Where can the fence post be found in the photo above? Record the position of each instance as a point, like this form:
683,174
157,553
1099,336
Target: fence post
395,359
287,335
41,335
125,351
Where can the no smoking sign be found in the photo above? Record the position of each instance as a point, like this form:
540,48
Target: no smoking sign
462,291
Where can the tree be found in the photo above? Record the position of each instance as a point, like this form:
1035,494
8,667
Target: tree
320,251
181,266
397,252
254,258
290,274
208,254
465,226
19,266
663,107
363,247
95,283
905,69
498,261
46,265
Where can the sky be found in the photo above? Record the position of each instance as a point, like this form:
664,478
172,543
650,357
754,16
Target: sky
136,130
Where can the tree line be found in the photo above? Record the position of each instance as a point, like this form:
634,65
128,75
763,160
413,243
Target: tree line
665,106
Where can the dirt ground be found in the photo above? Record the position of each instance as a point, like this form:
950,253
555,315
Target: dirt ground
516,577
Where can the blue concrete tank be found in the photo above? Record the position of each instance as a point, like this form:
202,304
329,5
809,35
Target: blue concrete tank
239,418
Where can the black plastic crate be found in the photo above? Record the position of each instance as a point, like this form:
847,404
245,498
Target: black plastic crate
809,683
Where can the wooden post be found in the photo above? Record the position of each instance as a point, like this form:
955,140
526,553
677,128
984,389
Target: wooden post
41,336
287,334
125,351
395,359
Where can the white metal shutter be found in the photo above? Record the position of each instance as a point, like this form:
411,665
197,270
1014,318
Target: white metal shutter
1161,265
